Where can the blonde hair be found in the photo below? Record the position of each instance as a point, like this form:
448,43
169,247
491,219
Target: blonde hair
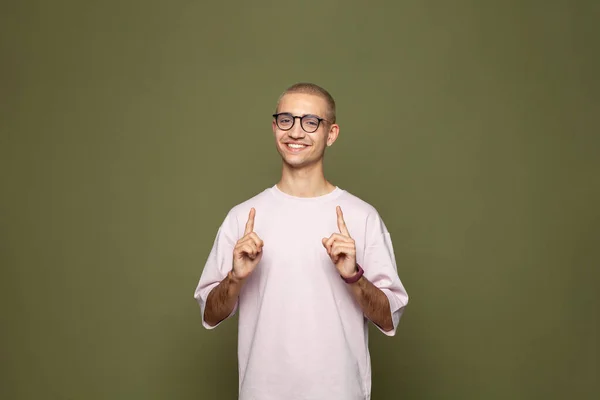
311,88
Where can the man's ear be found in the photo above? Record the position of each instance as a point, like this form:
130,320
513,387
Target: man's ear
332,136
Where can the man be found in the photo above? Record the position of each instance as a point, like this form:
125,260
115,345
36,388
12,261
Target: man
308,265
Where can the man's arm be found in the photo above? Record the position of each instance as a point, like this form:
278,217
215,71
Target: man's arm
245,256
372,300
374,303
221,299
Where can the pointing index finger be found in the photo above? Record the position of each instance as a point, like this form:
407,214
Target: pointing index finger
341,223
250,223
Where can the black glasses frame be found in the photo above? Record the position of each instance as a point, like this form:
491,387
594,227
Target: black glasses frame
293,117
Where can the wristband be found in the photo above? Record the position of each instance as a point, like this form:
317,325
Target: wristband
356,276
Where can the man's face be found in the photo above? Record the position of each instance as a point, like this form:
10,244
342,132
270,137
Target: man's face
297,147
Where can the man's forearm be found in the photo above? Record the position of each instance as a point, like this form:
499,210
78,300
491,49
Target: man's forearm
374,303
221,300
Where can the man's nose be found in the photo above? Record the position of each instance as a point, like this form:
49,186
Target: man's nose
297,132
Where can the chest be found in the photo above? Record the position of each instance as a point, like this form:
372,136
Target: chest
293,237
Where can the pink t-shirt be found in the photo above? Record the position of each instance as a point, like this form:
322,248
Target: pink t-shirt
301,334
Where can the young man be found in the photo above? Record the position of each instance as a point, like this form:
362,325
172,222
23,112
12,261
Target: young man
308,265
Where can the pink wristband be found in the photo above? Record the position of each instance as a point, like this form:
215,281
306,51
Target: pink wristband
356,276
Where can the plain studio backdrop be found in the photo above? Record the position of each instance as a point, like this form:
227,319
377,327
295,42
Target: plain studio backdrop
130,128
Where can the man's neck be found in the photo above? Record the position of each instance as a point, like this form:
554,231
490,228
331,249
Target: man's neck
306,182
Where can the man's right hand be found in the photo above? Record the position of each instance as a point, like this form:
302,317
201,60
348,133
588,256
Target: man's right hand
248,250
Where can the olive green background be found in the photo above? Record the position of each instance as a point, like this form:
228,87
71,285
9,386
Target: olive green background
130,128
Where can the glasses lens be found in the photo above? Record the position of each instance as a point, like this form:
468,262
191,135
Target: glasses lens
285,121
310,123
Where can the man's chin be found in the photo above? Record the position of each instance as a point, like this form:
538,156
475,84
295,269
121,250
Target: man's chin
293,163
296,164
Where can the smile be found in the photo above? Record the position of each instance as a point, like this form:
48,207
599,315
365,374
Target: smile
296,147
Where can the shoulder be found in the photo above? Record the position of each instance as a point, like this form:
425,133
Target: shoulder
256,201
239,212
357,205
362,212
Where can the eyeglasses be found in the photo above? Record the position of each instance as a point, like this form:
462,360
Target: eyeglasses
310,123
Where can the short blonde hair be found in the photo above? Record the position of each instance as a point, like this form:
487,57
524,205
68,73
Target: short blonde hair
311,88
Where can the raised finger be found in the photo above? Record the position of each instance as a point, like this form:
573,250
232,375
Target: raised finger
341,223
250,222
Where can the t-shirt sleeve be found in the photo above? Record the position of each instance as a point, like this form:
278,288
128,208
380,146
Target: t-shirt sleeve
218,264
381,269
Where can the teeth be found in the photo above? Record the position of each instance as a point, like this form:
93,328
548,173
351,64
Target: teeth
296,146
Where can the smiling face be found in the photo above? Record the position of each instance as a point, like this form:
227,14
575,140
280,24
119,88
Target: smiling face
297,147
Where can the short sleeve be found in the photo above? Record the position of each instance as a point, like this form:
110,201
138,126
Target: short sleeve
218,264
381,269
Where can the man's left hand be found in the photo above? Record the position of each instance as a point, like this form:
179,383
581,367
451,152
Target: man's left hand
341,248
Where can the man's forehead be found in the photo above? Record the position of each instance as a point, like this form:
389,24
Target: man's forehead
302,102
